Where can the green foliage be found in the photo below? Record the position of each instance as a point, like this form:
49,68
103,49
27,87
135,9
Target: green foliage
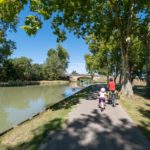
6,48
16,69
56,63
90,64
63,55
23,69
105,56
37,72
32,24
8,71
8,20
74,72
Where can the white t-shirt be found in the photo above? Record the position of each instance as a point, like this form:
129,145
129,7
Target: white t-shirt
102,94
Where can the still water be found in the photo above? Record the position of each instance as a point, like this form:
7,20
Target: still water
20,103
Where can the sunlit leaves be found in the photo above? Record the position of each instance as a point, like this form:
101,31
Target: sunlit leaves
9,9
32,25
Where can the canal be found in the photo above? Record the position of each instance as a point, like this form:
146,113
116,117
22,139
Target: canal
20,103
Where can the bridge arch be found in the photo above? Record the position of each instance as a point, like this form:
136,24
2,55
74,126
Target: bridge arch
76,77
83,78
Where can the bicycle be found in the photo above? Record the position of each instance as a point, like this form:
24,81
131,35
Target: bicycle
112,97
102,103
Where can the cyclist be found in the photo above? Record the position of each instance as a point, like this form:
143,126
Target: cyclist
102,94
112,89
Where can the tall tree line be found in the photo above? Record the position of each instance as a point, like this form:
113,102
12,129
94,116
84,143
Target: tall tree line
23,69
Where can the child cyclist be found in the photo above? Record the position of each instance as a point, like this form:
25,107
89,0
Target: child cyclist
102,98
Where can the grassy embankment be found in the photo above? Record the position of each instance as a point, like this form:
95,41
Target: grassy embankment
138,107
31,133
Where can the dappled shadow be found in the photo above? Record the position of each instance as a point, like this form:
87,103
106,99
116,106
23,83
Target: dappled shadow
39,135
93,94
145,113
140,90
147,105
144,125
90,93
67,103
95,131
73,100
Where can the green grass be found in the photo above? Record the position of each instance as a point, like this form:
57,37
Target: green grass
139,109
31,133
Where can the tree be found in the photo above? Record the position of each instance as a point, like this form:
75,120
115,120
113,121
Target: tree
145,37
56,63
104,58
74,72
23,68
8,71
37,72
63,55
90,67
9,10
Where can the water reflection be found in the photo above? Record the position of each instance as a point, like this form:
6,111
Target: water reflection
84,81
33,108
70,91
19,103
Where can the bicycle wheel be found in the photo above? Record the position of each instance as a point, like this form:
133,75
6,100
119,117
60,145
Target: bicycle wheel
113,100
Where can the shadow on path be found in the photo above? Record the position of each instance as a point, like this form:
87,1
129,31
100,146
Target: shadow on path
96,132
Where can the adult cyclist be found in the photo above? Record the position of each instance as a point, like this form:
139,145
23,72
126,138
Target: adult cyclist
112,89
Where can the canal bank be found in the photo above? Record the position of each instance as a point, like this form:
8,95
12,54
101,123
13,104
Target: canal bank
26,83
51,119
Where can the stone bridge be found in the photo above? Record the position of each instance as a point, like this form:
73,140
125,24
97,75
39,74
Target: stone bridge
76,77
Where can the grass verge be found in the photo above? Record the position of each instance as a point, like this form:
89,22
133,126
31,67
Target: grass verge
30,134
139,109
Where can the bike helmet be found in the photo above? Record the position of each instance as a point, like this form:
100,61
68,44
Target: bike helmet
102,89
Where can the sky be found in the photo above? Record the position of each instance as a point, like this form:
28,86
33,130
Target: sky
36,47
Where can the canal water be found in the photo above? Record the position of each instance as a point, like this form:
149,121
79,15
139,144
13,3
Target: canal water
20,103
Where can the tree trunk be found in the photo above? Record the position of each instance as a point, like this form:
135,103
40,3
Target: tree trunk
120,78
115,78
148,83
107,78
147,44
92,77
126,84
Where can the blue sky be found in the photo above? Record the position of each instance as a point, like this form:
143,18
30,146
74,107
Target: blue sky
36,47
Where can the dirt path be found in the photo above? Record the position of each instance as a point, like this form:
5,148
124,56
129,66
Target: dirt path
90,129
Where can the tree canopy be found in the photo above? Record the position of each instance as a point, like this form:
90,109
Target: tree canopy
56,63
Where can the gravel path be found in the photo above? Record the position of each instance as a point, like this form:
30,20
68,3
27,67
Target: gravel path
90,129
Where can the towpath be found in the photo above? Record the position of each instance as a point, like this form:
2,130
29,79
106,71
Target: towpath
90,129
